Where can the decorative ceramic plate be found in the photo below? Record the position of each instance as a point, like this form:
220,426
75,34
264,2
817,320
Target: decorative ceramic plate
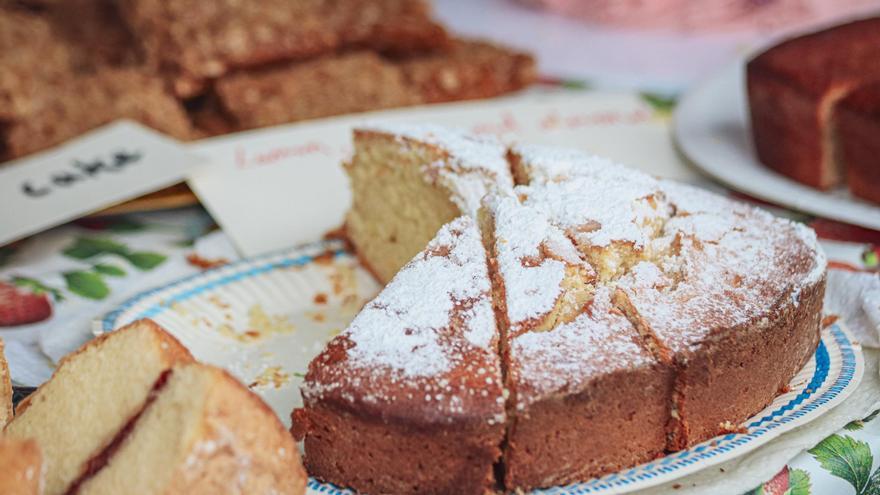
264,319
711,128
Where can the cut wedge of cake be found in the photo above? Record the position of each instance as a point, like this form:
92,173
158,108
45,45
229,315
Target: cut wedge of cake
409,398
21,467
408,181
91,396
203,433
5,389
734,304
586,395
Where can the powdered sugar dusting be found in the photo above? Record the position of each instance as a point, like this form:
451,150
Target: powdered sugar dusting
718,279
466,151
602,206
474,166
404,329
531,284
569,356
551,164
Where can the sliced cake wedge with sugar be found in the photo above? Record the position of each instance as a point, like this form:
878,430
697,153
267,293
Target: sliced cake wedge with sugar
732,301
409,398
408,181
5,389
586,395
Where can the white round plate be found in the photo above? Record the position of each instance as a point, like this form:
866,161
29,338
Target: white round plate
711,128
265,318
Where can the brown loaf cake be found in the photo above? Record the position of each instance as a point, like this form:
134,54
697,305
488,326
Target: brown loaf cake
634,316
409,398
858,136
198,40
794,89
154,422
30,57
22,468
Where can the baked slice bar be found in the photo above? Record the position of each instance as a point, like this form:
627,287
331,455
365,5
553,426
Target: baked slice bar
85,102
193,41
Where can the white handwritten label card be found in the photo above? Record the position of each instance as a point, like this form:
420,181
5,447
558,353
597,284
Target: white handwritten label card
120,161
274,188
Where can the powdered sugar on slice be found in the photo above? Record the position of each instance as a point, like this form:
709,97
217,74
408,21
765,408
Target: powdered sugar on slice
473,167
532,283
569,356
408,327
466,151
551,164
601,208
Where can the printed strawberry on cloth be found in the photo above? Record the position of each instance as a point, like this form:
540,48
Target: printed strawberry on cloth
53,285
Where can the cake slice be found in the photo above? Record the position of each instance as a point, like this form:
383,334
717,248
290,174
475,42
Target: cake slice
21,468
858,135
85,102
472,69
5,390
333,85
794,88
409,180
716,304
202,432
92,395
409,398
586,395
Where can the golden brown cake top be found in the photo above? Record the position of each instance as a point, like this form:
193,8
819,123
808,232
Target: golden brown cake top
426,347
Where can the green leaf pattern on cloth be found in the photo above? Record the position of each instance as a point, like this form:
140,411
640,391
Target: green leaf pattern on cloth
89,282
109,270
145,260
38,287
86,284
846,458
84,248
842,456
798,482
